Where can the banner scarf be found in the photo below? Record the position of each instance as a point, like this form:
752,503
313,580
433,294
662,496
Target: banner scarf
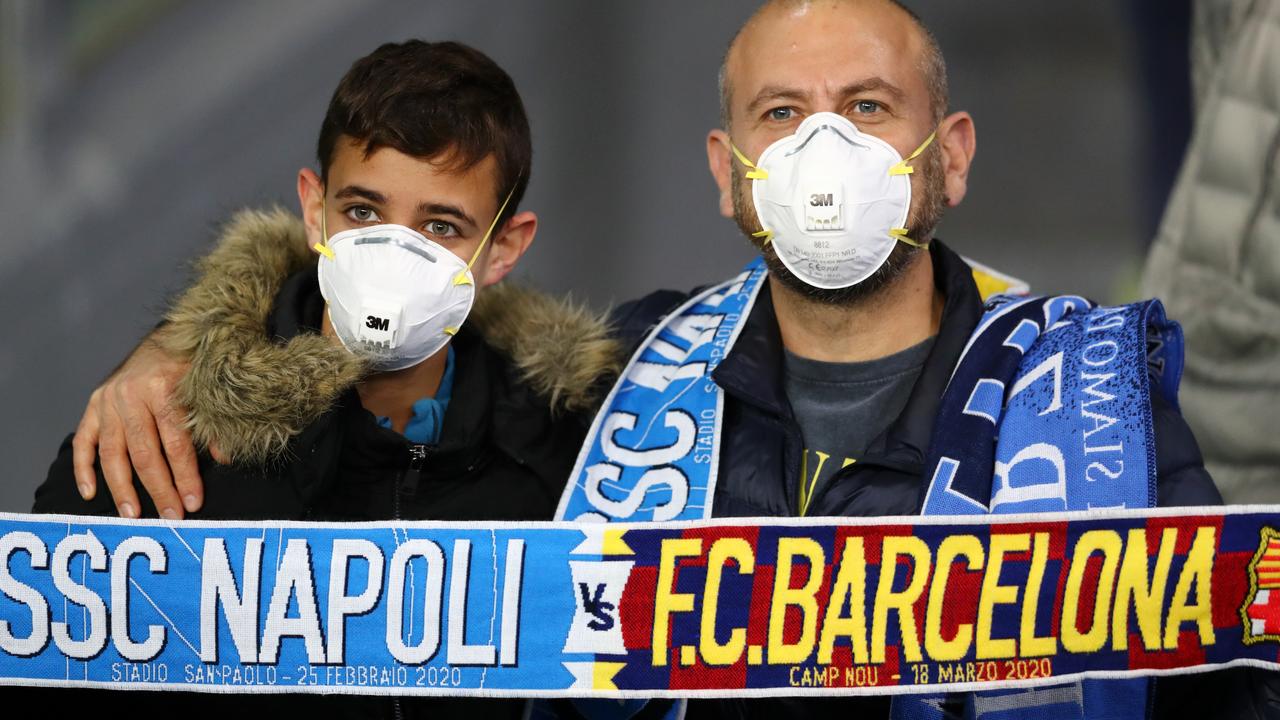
1048,409
681,609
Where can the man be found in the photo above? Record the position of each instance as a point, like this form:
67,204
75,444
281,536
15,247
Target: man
354,387
856,372
831,395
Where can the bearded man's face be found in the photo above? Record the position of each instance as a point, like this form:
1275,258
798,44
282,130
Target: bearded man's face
928,201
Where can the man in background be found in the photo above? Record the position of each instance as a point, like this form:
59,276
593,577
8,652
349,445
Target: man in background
1216,258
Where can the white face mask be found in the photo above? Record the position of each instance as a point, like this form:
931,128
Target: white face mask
395,296
832,200
391,294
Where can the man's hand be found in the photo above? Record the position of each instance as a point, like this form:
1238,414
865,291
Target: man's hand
132,423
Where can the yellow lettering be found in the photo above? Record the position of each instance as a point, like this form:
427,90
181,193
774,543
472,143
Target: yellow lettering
667,601
806,484
850,585
785,596
794,668
1132,586
886,600
993,593
1030,645
1109,544
953,547
1199,569
723,549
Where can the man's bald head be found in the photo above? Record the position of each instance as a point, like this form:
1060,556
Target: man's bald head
932,66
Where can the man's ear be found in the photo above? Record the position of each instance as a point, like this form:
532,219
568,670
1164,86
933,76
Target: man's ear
311,204
506,246
958,142
720,159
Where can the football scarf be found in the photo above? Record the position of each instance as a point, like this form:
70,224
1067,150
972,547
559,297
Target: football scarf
1049,409
653,450
803,607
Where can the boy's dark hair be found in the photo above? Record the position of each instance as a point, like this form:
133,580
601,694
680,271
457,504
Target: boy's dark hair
425,99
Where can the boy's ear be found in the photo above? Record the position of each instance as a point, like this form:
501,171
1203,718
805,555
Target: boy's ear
506,247
311,204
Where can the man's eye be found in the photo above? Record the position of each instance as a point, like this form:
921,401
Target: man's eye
781,114
363,214
866,107
441,228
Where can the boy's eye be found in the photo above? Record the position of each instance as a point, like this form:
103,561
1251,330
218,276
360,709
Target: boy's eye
363,214
441,228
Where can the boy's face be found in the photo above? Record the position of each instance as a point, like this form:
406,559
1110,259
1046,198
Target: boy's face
449,206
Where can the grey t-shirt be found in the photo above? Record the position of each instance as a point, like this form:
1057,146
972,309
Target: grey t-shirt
842,407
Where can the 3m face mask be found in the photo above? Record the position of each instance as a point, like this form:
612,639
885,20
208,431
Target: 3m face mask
395,296
833,201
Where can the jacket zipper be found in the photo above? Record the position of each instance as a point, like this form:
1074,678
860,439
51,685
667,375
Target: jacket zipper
417,458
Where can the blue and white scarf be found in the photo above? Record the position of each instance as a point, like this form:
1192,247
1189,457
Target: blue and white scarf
653,451
1049,409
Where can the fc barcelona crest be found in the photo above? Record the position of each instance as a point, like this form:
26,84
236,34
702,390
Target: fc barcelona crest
1260,613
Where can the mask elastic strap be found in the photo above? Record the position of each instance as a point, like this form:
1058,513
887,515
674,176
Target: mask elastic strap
755,172
902,168
900,234
464,277
322,247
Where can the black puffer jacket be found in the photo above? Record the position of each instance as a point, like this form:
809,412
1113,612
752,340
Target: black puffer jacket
505,449
760,460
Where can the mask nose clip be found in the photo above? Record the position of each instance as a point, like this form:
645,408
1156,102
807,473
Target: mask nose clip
827,127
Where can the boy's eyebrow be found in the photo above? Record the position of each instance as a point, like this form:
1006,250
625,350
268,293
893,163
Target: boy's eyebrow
433,208
361,192
425,208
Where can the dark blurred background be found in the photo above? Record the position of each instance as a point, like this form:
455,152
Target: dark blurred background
130,129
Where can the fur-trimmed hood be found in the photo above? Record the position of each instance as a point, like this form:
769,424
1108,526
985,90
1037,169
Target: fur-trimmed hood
249,394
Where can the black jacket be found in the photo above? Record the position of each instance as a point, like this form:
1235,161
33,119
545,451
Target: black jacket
760,460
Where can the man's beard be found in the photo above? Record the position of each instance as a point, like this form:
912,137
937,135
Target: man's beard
926,211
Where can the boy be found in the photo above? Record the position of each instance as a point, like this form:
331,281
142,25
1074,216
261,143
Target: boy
343,377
